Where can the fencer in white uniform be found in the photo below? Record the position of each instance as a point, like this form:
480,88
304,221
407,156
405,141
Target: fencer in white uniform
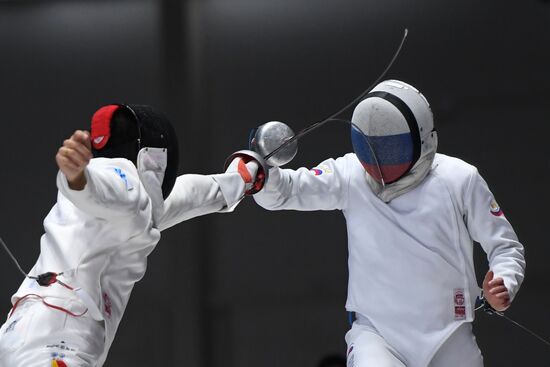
108,217
412,215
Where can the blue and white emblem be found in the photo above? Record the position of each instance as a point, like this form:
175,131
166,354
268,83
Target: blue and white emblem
124,178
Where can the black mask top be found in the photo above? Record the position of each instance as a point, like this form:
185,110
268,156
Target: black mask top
121,131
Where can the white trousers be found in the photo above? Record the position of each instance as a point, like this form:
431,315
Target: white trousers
36,335
366,348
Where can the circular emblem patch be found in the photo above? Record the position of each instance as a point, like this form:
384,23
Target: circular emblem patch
495,209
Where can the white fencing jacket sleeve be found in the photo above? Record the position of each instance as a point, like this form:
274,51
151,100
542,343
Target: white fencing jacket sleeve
488,226
324,187
112,189
196,195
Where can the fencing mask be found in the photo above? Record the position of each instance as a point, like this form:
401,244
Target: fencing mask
141,135
393,137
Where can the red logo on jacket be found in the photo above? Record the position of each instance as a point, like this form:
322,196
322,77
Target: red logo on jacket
459,304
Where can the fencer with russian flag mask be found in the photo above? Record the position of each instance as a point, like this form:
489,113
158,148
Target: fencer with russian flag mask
412,216
118,189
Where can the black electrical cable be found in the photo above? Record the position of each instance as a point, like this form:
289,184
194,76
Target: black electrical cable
44,280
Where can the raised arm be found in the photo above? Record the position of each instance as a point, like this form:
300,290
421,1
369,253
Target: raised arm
323,187
196,195
104,188
73,157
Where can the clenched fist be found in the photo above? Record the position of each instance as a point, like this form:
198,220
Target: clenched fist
495,292
73,157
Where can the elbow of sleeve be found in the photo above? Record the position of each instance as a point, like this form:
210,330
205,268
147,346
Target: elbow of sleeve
266,202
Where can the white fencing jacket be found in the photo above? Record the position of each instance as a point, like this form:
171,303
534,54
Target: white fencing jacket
101,236
411,271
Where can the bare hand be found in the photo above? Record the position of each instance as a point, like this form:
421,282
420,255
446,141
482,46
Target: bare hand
73,157
495,292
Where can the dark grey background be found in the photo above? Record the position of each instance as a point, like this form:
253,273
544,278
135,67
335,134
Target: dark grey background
257,288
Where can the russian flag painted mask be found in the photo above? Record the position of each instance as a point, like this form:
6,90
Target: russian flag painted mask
387,131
